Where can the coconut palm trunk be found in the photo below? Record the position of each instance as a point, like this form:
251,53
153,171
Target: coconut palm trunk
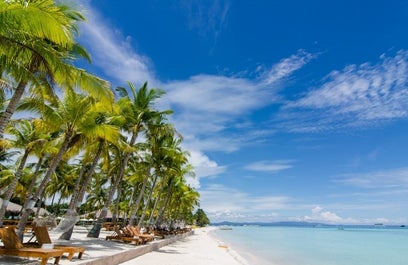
33,181
12,186
115,214
148,200
136,206
96,229
38,194
164,205
12,106
76,199
71,208
156,202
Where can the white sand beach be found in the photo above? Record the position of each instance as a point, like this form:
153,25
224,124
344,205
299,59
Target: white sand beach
198,248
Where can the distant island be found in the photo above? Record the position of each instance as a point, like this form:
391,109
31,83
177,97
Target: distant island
300,224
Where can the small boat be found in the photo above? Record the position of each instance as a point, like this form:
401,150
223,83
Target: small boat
225,228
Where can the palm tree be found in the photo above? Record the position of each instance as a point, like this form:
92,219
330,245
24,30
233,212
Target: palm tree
104,131
37,43
70,118
176,178
184,200
136,112
96,198
26,136
62,183
161,141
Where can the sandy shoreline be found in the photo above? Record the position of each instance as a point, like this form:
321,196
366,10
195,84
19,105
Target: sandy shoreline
199,248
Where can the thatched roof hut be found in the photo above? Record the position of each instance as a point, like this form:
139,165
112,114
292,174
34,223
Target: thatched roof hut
16,208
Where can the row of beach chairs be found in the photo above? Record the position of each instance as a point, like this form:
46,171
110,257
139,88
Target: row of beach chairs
35,247
163,232
130,234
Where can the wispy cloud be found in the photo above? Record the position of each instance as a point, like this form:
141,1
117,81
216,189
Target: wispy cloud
270,166
391,179
215,102
357,96
208,20
287,66
112,52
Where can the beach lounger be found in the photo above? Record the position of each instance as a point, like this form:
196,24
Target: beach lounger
123,235
43,237
135,231
14,247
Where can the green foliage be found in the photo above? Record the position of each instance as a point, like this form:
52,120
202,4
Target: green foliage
57,209
201,218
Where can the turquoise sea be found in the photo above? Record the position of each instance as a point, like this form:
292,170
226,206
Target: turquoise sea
277,245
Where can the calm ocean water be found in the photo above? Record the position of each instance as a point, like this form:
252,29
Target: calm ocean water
318,246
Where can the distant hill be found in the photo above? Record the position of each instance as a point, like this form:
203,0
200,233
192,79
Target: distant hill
306,224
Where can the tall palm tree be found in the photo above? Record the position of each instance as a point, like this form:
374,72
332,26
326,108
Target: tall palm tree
70,118
37,43
161,140
184,200
175,178
136,111
104,131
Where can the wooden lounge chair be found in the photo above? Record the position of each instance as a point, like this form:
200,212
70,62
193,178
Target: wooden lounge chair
135,231
121,234
14,247
43,237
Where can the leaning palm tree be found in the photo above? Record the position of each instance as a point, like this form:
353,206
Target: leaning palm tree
162,141
100,132
175,177
37,44
27,137
70,118
184,200
136,111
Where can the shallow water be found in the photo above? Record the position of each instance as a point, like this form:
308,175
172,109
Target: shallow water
318,246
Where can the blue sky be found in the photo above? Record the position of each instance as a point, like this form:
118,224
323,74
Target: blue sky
291,110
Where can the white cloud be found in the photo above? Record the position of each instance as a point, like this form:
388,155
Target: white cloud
270,166
319,215
215,94
203,167
287,66
112,52
226,204
391,179
359,95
